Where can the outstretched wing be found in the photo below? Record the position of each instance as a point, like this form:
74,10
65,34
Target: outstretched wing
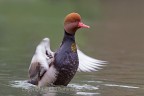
41,60
88,64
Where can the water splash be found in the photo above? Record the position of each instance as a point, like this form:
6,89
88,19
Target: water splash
78,89
21,84
83,87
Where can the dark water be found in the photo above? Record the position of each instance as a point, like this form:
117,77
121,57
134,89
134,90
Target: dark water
116,35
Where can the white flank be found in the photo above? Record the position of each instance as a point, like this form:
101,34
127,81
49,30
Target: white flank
49,77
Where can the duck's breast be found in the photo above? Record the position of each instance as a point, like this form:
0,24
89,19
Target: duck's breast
66,62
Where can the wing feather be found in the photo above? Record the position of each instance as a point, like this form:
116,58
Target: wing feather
87,63
41,60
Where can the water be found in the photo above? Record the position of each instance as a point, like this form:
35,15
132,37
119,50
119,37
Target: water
116,35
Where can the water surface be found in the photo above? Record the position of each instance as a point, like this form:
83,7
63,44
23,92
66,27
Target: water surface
116,35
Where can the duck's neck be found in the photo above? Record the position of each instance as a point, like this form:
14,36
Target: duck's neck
68,36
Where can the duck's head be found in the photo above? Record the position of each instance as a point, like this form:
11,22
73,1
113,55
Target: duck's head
73,22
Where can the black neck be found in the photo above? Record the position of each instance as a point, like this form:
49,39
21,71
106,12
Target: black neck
69,36
67,33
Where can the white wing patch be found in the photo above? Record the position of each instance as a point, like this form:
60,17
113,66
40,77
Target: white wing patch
42,52
42,58
88,64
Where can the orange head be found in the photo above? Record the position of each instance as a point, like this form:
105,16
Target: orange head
73,22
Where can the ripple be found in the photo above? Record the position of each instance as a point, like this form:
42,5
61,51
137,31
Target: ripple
123,86
86,93
94,81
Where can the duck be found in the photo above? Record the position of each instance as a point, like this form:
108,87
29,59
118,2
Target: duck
58,68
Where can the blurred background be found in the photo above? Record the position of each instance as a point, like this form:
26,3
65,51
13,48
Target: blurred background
116,36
